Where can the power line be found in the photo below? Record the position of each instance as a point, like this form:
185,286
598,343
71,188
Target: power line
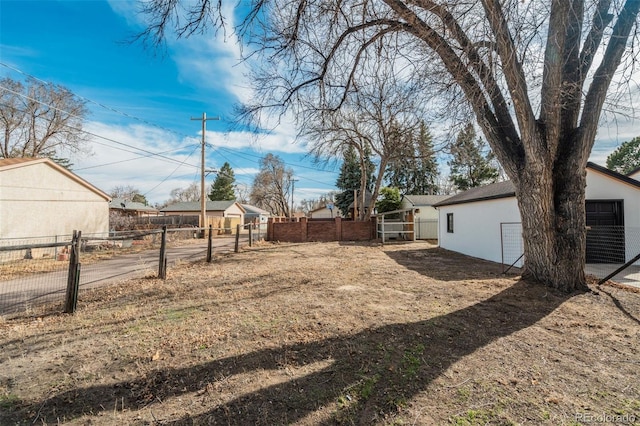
88,132
108,108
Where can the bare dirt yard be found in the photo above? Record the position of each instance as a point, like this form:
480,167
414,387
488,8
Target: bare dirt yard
328,333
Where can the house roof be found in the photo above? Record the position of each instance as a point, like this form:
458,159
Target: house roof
194,206
488,192
367,199
124,204
255,210
14,163
425,200
324,208
507,189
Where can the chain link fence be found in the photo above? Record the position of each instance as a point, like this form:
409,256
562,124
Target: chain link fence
35,273
612,252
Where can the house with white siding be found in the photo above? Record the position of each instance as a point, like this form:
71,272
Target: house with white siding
425,216
484,222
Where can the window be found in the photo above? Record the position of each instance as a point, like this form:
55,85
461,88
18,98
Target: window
450,222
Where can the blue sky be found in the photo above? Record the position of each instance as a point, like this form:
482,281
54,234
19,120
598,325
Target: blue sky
82,46
143,103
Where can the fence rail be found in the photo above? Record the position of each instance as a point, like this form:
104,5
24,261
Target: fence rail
38,271
612,252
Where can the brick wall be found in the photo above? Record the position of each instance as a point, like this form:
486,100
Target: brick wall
320,230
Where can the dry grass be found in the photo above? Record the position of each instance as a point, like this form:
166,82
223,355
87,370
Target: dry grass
328,333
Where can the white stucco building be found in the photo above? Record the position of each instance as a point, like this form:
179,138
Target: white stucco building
39,198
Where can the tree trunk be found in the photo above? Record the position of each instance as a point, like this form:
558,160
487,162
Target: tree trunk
552,207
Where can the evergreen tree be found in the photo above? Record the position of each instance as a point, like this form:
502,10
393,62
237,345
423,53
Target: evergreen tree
626,158
222,189
471,161
415,170
350,178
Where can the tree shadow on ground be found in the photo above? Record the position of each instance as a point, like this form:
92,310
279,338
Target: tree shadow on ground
445,265
366,376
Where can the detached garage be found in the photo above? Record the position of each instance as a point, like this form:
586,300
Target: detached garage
482,221
39,198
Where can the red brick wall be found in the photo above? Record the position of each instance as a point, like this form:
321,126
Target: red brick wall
358,231
321,230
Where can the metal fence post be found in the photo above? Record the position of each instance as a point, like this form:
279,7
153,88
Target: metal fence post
162,262
73,279
210,244
251,235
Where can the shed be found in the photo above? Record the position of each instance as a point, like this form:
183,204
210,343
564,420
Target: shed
39,198
255,215
220,214
425,215
484,222
328,211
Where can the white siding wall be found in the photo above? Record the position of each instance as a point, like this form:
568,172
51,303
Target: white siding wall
37,200
477,224
476,227
325,213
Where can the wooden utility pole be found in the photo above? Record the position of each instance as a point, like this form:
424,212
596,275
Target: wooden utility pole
203,200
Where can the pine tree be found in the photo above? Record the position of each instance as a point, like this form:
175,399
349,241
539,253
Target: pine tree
350,178
626,157
471,161
415,170
222,189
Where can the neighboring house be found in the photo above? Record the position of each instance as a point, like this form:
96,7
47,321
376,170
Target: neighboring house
328,211
634,174
39,198
255,215
480,222
356,206
220,214
425,215
130,208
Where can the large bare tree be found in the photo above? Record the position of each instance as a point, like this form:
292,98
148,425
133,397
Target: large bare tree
379,117
40,120
536,74
272,186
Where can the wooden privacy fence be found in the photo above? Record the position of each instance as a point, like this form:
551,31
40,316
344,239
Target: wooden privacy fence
300,230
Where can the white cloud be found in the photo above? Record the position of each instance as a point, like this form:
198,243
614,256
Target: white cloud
155,161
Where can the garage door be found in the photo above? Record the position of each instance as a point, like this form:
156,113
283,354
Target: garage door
605,236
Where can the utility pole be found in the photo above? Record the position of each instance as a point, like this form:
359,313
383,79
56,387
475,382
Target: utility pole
203,201
293,182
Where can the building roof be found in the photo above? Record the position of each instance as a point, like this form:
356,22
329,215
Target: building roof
488,192
194,206
507,189
425,200
14,163
255,210
634,171
367,200
124,204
